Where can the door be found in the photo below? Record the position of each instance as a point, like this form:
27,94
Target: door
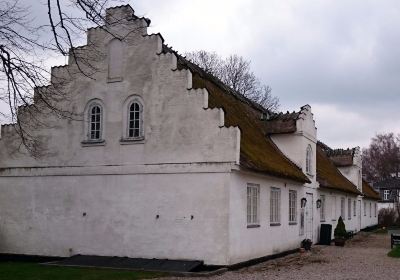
309,216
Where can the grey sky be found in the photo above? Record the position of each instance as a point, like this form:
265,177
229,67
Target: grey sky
341,57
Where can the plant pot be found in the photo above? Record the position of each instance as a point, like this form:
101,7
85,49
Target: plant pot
340,241
306,244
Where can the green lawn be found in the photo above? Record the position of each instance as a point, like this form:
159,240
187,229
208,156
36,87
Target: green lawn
395,252
381,231
33,271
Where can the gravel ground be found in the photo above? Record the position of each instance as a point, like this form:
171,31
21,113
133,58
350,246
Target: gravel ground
363,257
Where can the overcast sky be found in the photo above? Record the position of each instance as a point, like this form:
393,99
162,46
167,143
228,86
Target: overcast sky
341,57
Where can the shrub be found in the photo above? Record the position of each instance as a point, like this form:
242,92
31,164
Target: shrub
387,217
395,252
340,230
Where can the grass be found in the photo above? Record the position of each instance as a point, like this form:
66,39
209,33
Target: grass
34,271
381,231
395,252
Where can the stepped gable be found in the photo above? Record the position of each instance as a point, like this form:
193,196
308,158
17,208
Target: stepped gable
369,191
257,151
341,157
329,176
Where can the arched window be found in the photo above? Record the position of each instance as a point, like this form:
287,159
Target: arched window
309,160
95,122
135,120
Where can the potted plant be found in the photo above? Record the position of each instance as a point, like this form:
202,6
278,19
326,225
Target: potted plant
306,244
340,233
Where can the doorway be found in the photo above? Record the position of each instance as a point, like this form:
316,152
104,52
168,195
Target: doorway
309,217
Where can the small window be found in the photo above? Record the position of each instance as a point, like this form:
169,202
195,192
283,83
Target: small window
135,121
253,204
386,194
309,160
292,207
349,209
95,122
333,208
322,214
275,215
370,209
365,208
355,208
342,208
376,209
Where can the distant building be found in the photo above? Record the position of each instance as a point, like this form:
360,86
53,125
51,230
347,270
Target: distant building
389,191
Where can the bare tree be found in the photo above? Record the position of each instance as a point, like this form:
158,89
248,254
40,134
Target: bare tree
382,157
23,75
235,72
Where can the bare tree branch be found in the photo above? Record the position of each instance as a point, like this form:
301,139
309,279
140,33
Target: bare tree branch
235,72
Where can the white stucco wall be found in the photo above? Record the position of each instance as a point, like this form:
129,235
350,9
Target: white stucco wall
333,210
44,215
249,243
369,218
294,145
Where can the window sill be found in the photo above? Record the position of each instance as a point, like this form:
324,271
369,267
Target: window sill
114,80
90,143
253,226
275,224
131,141
292,223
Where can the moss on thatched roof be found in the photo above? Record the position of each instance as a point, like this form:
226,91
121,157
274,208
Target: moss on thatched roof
330,177
257,151
369,191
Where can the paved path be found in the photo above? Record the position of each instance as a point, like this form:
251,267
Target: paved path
364,257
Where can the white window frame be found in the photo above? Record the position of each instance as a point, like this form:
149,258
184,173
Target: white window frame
365,208
253,205
333,208
134,120
292,207
386,194
100,127
322,210
370,209
275,206
309,157
349,208
343,208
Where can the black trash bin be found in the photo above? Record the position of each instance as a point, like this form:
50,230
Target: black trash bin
325,236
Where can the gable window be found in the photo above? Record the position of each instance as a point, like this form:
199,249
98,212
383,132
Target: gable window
253,205
275,211
386,194
309,160
292,207
355,208
322,214
349,209
342,208
135,121
95,122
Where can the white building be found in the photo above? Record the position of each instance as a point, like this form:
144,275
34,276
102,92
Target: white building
168,163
